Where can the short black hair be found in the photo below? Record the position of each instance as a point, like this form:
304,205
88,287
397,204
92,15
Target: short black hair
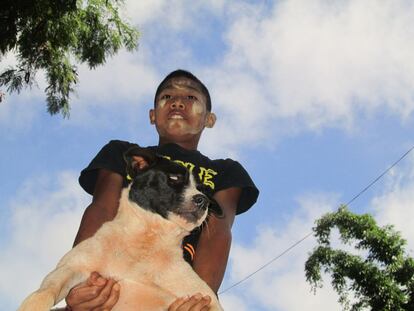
180,73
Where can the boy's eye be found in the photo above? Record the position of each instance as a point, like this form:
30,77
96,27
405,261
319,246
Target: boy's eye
191,97
166,96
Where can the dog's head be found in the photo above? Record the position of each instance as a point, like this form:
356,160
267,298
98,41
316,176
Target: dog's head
166,188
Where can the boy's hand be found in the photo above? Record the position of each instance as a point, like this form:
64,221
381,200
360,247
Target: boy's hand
196,302
95,294
98,294
140,162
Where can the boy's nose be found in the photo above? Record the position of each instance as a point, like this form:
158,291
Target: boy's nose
177,103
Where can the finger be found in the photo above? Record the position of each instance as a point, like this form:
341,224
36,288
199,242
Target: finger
79,295
103,296
86,291
96,279
113,297
177,303
90,281
100,295
140,162
201,304
194,303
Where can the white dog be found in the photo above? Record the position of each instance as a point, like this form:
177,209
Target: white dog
141,247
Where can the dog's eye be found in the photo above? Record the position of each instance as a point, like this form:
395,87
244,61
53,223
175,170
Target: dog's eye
176,178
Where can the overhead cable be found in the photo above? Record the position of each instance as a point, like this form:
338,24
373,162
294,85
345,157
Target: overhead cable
311,233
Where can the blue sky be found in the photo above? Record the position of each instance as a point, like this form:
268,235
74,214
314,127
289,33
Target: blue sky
314,98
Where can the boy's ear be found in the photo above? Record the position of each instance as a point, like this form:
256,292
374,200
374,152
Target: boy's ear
211,120
152,116
133,167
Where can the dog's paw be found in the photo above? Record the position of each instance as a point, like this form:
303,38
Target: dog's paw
38,301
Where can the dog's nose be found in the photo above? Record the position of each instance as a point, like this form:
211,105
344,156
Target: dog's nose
200,200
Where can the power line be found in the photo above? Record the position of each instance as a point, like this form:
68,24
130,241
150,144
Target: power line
311,233
380,176
268,263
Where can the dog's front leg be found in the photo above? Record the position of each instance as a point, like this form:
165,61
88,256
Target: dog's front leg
54,288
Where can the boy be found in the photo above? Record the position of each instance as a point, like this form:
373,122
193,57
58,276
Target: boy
182,109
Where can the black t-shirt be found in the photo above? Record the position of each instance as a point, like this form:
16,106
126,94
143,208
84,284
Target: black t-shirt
215,175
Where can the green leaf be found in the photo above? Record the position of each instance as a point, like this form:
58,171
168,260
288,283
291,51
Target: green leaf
46,34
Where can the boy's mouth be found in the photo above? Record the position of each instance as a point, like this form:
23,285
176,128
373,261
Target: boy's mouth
175,115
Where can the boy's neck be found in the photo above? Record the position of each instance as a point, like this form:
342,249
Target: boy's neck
189,145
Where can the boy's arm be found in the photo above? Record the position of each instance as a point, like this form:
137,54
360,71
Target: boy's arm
215,240
97,291
105,201
104,204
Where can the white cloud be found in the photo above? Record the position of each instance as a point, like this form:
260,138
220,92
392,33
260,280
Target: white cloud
242,113
17,111
282,284
177,15
308,65
314,64
114,92
142,12
122,81
8,60
233,302
45,215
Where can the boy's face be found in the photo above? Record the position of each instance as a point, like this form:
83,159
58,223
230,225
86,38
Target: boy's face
180,110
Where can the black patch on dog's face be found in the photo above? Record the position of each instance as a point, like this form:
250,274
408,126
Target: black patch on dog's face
160,188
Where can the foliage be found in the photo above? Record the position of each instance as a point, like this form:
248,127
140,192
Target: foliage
383,279
49,34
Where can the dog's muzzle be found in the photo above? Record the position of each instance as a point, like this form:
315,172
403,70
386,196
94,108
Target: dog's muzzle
201,201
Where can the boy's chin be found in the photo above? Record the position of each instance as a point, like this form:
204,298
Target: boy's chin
180,137
179,133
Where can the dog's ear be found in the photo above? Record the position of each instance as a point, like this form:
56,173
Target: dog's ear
134,166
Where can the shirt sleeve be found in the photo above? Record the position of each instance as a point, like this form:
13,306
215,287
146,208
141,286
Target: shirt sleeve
234,175
110,157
